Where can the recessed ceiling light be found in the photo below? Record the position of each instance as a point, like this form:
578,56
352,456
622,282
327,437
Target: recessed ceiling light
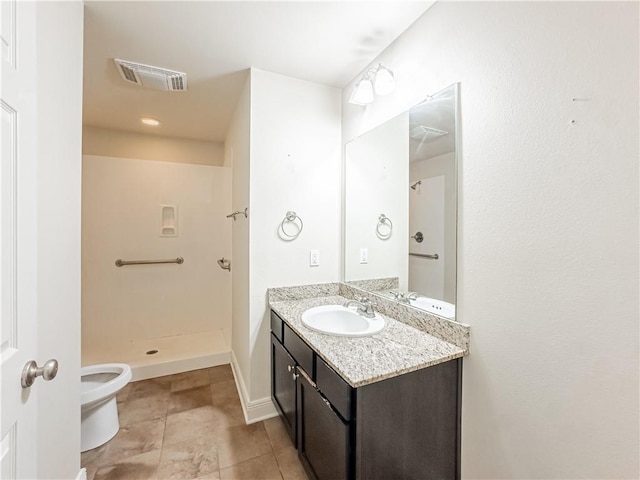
150,121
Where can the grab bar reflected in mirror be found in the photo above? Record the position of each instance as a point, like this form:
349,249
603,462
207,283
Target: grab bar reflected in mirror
435,256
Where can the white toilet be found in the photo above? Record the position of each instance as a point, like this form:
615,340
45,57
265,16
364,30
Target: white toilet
98,389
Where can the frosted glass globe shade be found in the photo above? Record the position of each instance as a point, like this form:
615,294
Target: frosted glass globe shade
385,83
363,93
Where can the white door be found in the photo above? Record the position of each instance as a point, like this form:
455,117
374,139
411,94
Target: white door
18,229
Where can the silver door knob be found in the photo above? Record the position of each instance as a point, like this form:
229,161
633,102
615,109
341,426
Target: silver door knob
31,371
418,237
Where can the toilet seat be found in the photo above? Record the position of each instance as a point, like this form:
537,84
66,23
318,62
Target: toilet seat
98,388
90,392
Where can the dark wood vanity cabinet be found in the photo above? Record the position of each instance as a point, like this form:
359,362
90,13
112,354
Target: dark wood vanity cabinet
283,385
405,427
324,438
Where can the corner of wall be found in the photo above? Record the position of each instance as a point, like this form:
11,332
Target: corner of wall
253,410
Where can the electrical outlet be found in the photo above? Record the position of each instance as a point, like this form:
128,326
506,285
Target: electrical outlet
314,258
364,255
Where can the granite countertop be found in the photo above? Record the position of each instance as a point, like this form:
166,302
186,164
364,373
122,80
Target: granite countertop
398,349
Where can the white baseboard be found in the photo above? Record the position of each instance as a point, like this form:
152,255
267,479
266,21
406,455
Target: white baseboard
82,474
256,410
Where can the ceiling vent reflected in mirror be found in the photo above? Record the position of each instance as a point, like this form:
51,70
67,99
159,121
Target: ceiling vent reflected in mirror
151,77
422,132
424,135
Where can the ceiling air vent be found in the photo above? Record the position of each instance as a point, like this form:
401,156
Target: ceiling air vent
422,132
151,77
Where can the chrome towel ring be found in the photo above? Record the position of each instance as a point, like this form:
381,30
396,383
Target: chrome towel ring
291,218
384,228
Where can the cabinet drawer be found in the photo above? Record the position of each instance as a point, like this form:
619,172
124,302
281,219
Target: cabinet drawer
276,325
334,388
298,350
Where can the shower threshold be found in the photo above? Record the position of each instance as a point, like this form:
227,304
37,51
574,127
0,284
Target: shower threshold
176,354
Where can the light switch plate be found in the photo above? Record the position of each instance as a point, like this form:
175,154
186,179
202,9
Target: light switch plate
364,255
314,258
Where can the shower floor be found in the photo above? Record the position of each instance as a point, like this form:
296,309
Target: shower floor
176,354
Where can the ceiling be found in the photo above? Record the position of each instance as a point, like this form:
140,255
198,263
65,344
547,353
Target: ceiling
215,43
432,126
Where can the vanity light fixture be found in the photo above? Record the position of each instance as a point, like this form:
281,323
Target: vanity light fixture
379,79
150,121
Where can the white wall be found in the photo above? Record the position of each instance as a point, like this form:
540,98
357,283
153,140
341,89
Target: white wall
295,165
237,157
107,142
378,183
121,218
548,245
59,50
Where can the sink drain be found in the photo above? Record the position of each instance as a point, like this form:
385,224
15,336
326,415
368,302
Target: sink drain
152,352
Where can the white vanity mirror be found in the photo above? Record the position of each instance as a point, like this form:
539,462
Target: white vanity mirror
401,205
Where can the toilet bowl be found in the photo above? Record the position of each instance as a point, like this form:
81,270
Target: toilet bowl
98,389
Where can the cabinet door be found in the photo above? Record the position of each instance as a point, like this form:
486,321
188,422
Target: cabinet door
283,385
323,437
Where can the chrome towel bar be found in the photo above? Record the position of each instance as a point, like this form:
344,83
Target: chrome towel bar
435,256
122,263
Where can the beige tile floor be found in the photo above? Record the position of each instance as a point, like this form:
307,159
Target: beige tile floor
190,426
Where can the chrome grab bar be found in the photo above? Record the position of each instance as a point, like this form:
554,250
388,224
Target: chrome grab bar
122,263
435,256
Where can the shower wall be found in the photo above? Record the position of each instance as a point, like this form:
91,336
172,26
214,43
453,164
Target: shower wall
437,279
121,218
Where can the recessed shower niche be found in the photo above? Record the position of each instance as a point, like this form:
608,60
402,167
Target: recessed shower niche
169,227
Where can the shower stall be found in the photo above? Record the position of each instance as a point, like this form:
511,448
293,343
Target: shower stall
153,295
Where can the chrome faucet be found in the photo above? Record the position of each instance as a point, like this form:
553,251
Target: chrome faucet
404,297
365,306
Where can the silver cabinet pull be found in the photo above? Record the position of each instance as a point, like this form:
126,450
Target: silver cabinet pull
418,237
31,371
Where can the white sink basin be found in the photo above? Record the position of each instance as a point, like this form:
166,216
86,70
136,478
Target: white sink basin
341,321
431,305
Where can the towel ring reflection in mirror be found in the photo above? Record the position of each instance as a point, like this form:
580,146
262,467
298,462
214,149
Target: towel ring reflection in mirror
293,223
384,228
